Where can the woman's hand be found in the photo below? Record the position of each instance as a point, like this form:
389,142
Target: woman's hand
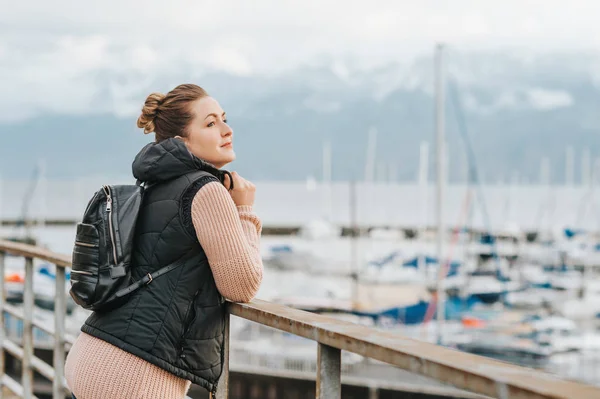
243,190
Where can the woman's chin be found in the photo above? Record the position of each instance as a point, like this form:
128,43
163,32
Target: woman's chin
225,160
231,157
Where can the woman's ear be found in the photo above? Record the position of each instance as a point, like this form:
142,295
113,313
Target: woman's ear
183,139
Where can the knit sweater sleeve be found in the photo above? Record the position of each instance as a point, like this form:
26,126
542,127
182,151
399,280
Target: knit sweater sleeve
230,237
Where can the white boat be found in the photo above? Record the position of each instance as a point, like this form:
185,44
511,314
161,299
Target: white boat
533,298
561,334
581,307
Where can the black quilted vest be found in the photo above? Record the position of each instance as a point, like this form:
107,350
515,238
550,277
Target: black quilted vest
176,322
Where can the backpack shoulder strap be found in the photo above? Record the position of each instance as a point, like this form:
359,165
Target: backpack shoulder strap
147,279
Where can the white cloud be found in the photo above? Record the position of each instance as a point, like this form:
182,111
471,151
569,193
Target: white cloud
65,55
537,98
311,28
83,53
230,60
56,79
474,25
341,70
545,99
505,100
143,57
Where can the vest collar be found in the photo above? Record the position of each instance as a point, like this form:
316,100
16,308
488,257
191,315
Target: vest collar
169,159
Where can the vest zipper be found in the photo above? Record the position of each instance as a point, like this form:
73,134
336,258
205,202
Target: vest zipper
187,323
192,309
110,222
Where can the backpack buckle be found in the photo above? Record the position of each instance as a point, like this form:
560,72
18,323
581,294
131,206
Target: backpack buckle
149,278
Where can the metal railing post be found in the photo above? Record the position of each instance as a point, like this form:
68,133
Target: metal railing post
27,370
223,389
2,324
60,308
329,370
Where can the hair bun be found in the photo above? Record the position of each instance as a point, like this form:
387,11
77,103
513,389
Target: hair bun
149,111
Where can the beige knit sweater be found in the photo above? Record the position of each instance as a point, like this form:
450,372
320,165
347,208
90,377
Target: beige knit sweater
230,237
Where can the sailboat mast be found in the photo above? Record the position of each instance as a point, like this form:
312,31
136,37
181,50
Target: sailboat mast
440,192
569,166
423,180
43,185
327,188
371,150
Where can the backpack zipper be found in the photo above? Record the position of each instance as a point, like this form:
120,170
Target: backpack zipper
82,272
110,222
85,244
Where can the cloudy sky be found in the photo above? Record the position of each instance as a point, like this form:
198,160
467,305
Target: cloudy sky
56,56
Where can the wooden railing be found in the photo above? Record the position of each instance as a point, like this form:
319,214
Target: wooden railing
470,372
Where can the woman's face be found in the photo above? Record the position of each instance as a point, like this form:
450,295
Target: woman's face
209,136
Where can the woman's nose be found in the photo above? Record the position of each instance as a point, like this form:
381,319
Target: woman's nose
226,131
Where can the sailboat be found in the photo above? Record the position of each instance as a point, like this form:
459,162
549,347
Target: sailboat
36,188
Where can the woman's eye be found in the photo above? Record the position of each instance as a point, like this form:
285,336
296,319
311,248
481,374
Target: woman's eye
224,120
211,124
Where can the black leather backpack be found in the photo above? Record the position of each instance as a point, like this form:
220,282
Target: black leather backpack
101,273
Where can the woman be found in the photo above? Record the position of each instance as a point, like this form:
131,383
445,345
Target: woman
169,334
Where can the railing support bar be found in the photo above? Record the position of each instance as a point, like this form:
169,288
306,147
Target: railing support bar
27,376
223,390
2,323
13,386
60,308
329,372
47,328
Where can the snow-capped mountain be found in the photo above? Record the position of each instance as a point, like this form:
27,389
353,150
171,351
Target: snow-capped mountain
518,109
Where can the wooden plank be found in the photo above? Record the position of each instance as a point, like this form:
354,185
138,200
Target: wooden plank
31,251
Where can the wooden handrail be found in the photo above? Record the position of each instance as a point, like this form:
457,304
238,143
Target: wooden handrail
467,371
31,251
